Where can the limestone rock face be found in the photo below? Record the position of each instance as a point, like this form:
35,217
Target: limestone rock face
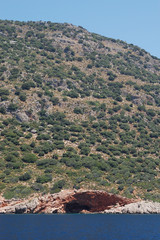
142,207
26,207
18,206
81,201
31,205
67,201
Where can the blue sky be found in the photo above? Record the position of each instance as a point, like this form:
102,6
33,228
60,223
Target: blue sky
133,21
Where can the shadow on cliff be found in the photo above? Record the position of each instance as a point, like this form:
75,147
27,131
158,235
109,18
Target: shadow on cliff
92,202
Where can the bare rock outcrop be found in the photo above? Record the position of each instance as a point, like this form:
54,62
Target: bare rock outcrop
67,201
138,99
19,206
79,201
142,207
22,116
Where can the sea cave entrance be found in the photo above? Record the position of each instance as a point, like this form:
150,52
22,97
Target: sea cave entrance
75,207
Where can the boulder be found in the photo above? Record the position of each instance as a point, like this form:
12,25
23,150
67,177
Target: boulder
31,205
22,117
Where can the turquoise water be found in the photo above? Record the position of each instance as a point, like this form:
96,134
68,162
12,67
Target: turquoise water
80,227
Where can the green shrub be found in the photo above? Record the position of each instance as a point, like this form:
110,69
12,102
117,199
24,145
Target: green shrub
25,147
141,108
54,100
2,110
85,151
29,158
111,75
4,92
17,192
25,177
14,165
75,128
78,110
119,99
151,112
22,97
2,186
59,144
38,187
28,85
72,94
43,137
44,178
12,107
58,186
10,158
46,162
29,135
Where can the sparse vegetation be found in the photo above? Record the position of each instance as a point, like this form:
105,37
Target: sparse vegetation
76,115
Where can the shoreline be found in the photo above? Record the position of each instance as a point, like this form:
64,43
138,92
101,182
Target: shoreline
78,202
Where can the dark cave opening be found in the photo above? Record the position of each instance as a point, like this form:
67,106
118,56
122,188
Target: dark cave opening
75,207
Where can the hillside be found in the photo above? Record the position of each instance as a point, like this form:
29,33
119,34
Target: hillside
77,110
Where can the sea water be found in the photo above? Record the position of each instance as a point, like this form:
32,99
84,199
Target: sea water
79,227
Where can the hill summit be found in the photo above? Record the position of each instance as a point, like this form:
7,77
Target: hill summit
77,110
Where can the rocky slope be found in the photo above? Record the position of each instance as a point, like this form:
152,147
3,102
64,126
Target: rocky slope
77,110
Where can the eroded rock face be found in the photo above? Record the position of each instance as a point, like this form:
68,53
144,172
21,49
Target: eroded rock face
67,201
93,201
142,207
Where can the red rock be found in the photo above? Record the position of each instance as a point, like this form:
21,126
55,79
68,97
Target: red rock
67,201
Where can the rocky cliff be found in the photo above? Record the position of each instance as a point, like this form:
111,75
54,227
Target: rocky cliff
142,207
67,201
81,201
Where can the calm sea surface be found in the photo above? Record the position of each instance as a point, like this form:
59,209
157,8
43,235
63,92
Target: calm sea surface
80,227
